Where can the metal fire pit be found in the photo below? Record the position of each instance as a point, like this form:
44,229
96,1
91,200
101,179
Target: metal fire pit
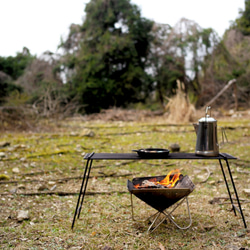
162,198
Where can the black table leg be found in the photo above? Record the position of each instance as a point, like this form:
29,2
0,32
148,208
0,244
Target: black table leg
84,184
85,188
228,190
235,191
236,194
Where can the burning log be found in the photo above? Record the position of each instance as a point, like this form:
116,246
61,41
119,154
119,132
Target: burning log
171,179
150,184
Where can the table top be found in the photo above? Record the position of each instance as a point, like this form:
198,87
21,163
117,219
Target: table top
171,156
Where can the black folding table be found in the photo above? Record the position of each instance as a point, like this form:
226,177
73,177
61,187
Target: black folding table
222,157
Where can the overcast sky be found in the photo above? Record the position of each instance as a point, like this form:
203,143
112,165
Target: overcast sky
39,24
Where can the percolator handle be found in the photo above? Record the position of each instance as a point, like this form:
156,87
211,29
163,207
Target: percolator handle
207,108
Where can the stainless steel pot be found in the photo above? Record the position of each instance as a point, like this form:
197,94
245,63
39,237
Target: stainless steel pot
207,140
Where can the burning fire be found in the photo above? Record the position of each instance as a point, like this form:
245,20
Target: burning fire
169,181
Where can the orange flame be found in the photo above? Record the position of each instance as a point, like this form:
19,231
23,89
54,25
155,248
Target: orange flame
169,181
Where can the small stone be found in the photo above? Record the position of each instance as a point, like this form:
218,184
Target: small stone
2,154
211,182
21,186
88,133
33,164
15,170
247,192
42,188
22,215
51,182
209,227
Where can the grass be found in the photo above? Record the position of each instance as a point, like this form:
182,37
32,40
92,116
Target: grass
49,158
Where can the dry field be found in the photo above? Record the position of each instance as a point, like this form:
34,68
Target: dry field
41,176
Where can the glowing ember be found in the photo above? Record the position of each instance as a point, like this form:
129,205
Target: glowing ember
169,181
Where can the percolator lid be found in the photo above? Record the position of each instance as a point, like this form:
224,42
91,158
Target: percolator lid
207,118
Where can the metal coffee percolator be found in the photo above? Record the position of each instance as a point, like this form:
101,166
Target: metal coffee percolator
206,131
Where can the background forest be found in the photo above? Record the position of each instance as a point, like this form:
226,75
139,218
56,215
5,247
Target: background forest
117,58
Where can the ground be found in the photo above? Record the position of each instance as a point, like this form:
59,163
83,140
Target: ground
41,174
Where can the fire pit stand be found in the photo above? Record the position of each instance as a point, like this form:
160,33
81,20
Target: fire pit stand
173,156
167,215
164,199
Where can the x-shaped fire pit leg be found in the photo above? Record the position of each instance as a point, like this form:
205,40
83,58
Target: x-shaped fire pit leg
167,215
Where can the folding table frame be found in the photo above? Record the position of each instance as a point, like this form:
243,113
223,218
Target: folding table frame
173,156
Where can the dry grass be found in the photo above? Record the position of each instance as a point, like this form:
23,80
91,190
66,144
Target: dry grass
179,107
49,158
